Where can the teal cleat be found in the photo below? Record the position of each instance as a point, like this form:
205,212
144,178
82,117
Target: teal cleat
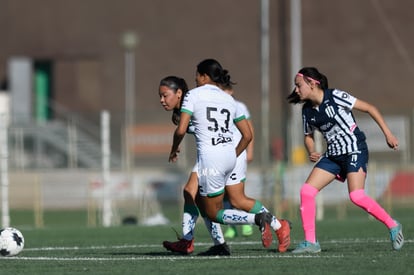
307,247
396,236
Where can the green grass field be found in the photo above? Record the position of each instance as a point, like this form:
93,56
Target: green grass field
355,245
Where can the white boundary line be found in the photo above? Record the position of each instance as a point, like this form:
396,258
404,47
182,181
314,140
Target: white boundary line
196,244
170,258
173,257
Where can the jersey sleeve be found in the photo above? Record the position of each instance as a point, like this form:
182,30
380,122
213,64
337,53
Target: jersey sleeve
344,99
188,103
308,129
240,114
243,109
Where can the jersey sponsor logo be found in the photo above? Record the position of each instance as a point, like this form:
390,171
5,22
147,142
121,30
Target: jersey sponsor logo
233,176
220,140
326,126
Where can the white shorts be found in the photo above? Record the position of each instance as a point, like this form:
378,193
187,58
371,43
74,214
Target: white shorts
239,171
237,175
214,168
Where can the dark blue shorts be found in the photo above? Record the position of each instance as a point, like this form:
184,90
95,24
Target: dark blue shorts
344,164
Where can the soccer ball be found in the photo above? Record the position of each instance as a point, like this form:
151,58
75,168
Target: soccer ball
11,241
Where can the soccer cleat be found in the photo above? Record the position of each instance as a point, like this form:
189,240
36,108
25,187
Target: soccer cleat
307,247
283,235
263,220
231,232
182,246
396,236
247,230
216,250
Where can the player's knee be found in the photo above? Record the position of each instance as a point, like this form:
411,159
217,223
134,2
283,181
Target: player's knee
242,203
212,215
189,194
308,191
357,196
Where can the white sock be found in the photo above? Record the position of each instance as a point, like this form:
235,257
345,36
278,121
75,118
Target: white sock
188,225
215,231
234,216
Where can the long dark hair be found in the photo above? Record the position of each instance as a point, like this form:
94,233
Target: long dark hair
215,71
175,83
309,73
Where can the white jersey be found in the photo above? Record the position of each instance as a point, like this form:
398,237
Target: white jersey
238,174
242,108
213,114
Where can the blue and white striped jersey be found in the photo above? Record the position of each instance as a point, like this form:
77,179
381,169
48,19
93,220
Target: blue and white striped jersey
334,119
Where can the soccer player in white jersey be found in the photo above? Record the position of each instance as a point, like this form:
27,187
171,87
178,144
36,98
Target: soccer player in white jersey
171,90
248,155
212,113
330,112
235,194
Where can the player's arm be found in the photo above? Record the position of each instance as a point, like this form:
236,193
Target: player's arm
363,106
179,134
309,142
247,136
250,147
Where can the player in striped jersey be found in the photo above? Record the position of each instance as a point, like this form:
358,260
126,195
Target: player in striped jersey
330,112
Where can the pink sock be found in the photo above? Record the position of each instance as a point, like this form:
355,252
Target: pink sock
359,198
308,211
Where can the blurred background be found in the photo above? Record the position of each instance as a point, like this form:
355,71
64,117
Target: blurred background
82,127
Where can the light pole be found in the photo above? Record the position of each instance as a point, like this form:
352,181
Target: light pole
297,150
129,41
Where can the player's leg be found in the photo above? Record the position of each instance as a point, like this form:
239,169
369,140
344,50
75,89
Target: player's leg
185,244
359,197
213,207
356,168
236,193
220,247
240,201
317,180
231,230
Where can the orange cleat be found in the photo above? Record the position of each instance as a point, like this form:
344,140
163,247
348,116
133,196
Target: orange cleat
283,235
182,246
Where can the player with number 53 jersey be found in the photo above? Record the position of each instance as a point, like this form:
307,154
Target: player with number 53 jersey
214,113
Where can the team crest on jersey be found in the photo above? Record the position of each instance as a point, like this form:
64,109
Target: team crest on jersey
345,95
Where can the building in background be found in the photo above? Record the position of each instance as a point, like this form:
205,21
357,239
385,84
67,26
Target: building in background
77,58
